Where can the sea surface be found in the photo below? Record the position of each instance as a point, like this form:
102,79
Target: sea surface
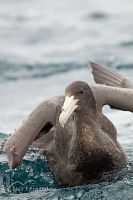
44,46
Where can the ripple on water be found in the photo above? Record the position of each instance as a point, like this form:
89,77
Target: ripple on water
14,70
128,43
98,16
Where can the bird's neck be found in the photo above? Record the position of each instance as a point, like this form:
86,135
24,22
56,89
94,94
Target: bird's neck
87,116
88,127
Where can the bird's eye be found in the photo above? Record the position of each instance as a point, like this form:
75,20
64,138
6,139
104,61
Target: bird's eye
80,92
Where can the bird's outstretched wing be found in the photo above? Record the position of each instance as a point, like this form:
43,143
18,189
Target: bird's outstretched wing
112,88
104,75
116,97
39,122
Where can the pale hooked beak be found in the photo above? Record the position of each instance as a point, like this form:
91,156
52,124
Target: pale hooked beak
68,107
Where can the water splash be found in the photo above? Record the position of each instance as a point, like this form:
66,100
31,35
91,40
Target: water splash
33,179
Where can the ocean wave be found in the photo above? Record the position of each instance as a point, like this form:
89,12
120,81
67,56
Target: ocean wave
11,71
15,70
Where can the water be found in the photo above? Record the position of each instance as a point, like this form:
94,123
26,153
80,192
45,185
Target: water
45,45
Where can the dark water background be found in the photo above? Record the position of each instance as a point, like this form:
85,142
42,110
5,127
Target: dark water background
45,45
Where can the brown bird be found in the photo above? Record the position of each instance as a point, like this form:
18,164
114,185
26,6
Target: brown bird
79,141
